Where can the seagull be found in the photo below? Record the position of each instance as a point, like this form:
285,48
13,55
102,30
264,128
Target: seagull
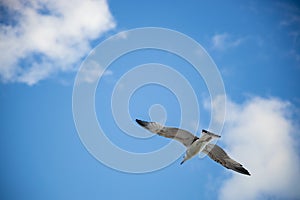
195,144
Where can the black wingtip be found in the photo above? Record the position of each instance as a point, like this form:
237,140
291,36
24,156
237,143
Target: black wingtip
247,173
141,122
242,170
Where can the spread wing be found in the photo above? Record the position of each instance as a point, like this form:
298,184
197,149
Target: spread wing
219,155
185,137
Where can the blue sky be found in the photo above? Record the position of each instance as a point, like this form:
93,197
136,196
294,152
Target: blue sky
255,46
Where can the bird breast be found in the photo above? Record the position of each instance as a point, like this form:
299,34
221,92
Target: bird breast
196,147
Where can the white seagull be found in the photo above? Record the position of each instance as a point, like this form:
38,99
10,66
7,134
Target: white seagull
195,144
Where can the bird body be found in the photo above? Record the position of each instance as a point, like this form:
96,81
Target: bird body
199,144
195,144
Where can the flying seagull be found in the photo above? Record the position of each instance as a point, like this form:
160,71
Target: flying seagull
195,144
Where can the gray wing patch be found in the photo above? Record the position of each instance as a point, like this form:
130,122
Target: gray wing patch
219,155
183,136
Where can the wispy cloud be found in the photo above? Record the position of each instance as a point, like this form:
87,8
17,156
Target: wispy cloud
92,71
122,35
42,37
290,22
291,13
260,133
224,41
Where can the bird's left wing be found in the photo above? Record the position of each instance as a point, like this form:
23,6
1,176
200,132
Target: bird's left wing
183,136
219,155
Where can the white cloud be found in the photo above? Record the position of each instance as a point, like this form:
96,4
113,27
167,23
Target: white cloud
43,37
260,133
224,41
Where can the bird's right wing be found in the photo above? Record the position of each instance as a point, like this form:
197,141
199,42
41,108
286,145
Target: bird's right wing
219,155
185,137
